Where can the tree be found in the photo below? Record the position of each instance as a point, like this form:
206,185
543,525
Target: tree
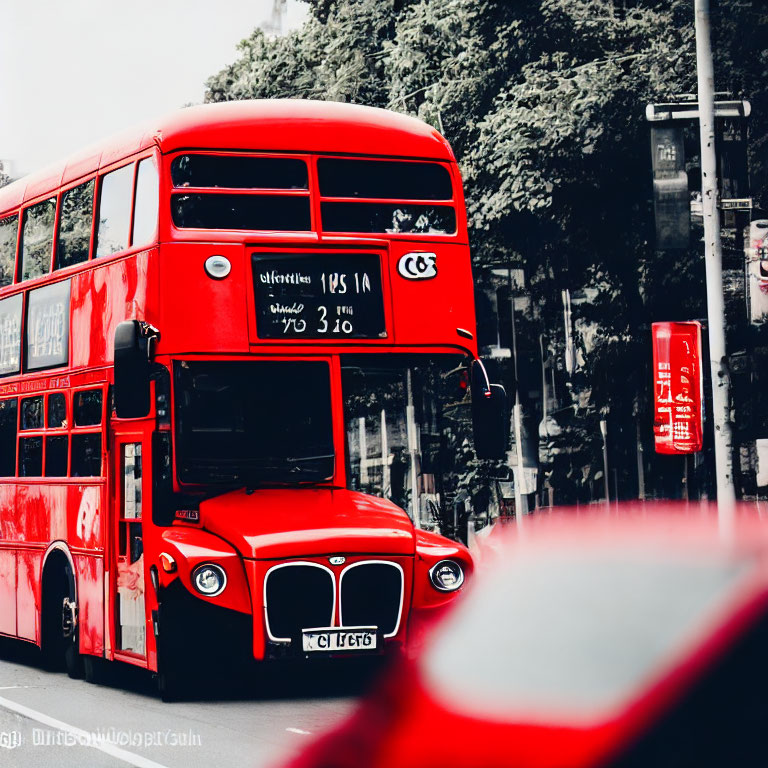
543,102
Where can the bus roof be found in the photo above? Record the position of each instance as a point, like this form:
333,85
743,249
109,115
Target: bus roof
279,125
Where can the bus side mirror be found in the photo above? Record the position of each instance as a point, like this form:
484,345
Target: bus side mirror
132,371
490,415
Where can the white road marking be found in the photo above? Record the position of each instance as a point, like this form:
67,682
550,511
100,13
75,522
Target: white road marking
83,736
299,731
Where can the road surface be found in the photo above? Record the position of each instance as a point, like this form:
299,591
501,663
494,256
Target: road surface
46,719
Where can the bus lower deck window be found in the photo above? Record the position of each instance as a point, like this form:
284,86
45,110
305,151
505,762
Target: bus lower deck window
57,410
8,438
86,455
56,454
87,408
32,413
31,457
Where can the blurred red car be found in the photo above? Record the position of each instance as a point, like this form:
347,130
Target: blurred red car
625,639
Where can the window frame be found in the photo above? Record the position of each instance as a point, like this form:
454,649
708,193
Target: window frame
57,431
453,203
63,190
29,205
15,438
17,214
90,429
170,191
158,172
68,430
103,173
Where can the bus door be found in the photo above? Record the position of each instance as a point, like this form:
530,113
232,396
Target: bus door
131,489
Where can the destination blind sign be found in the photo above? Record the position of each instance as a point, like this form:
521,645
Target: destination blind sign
319,296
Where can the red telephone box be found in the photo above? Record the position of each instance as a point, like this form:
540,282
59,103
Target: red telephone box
678,386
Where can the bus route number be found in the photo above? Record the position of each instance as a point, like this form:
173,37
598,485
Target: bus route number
339,283
301,298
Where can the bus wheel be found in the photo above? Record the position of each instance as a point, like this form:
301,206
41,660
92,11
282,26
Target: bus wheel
172,684
94,669
59,635
73,661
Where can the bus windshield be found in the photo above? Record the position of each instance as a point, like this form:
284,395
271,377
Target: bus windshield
403,416
253,422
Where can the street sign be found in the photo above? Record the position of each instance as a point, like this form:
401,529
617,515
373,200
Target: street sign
736,204
678,387
689,110
672,205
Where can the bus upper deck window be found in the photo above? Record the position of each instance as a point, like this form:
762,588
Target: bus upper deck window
75,220
9,228
147,202
343,182
251,208
37,239
258,212
239,172
391,218
10,321
383,179
114,211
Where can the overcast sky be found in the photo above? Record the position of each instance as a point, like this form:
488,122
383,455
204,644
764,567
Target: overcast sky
75,71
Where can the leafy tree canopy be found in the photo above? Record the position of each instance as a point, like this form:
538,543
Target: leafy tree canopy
543,102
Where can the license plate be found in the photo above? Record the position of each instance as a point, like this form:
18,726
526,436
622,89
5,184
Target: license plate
335,639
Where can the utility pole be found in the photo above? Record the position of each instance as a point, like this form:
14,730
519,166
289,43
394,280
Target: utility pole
274,26
521,501
604,433
713,262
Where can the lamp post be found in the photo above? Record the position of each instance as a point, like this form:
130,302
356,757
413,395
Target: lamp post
713,262
604,433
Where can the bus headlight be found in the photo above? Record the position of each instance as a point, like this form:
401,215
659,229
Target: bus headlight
209,579
446,576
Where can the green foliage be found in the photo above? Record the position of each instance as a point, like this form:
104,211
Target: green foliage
543,102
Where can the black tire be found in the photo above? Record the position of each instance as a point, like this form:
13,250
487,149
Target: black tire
172,683
59,633
94,669
73,660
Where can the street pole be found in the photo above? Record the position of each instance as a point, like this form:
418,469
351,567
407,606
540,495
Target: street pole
640,463
604,433
521,501
713,262
414,449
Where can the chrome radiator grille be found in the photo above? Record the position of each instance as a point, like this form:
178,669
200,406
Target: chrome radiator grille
302,596
372,595
298,596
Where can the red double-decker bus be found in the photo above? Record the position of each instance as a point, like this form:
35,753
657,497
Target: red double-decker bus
229,350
